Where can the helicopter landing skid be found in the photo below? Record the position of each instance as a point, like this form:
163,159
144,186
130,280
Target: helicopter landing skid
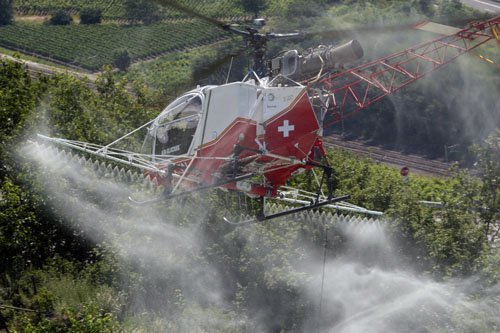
315,203
262,217
169,195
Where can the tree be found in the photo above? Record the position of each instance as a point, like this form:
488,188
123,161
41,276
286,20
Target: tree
61,17
426,7
91,16
18,96
254,6
122,59
300,9
489,164
142,10
6,12
451,9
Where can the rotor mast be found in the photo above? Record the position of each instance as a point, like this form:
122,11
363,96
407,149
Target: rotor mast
254,40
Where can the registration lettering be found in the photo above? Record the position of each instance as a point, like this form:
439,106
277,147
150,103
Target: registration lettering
170,150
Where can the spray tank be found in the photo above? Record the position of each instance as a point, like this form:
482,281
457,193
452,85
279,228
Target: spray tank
315,61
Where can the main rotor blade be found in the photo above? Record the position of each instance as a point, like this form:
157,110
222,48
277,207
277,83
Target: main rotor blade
214,66
252,33
340,33
174,4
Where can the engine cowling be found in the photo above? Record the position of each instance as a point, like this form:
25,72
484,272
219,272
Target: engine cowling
322,58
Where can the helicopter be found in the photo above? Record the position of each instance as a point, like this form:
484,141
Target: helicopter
252,135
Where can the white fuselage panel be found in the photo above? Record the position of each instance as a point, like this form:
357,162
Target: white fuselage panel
239,101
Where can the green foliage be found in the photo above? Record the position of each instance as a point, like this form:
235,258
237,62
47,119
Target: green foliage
426,7
60,17
6,12
451,9
43,301
447,242
73,110
90,15
90,320
121,59
213,65
115,9
488,196
144,11
173,73
491,266
91,46
81,293
254,6
297,9
18,95
109,8
18,228
29,229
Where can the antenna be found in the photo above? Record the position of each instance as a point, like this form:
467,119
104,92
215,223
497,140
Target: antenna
229,71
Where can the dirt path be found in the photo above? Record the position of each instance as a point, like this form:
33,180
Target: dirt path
32,18
47,69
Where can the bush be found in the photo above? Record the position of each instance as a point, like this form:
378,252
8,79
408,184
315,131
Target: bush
90,16
60,17
254,6
6,12
122,59
142,10
89,320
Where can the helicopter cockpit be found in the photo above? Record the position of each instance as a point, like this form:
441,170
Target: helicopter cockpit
173,130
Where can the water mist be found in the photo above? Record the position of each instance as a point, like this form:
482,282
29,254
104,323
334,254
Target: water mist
364,287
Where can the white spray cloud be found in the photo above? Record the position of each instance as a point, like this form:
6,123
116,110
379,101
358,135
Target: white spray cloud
153,238
372,296
366,287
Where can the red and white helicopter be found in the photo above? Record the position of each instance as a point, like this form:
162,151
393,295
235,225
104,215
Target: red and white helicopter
253,135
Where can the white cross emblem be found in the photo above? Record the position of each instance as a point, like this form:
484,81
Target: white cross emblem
286,128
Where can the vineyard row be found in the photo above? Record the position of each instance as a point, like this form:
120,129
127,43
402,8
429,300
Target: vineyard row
91,46
114,9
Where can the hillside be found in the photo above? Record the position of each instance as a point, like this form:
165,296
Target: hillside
92,46
114,9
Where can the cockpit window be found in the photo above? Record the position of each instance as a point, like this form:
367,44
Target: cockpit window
175,127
